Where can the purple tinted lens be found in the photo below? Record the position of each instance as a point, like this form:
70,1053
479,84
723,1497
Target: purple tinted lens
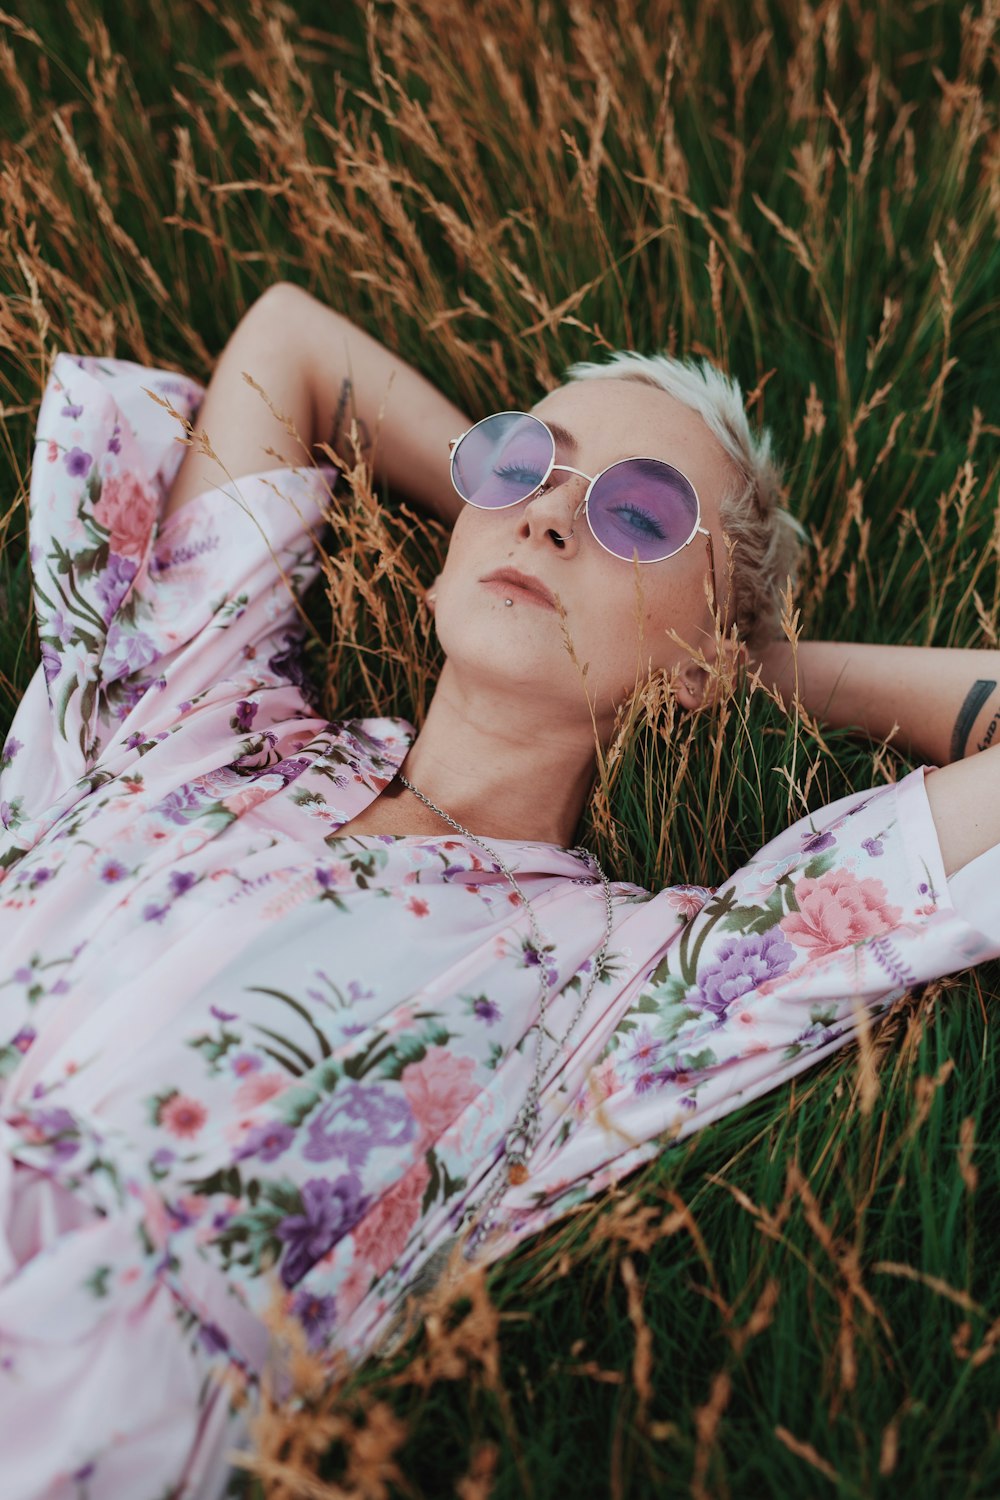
502,460
643,507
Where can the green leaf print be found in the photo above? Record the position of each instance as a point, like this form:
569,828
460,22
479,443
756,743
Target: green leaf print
97,1282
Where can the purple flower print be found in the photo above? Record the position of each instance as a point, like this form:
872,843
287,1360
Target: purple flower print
11,748
741,964
77,462
814,843
329,1211
316,1314
288,663
873,847
127,651
6,815
154,912
61,627
51,662
162,1157
222,1015
23,1039
357,1119
112,871
288,769
133,741
268,1141
245,1063
115,440
244,715
486,1010
644,1048
113,583
71,410
181,881
58,1124
212,1338
176,805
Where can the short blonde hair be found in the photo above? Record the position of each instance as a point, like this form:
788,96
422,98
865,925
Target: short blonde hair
766,540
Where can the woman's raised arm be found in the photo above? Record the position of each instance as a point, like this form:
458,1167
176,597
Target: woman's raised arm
941,705
319,371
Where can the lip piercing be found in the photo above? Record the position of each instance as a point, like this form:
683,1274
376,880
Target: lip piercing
508,603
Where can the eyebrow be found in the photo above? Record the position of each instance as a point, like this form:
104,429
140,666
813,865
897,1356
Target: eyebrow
561,434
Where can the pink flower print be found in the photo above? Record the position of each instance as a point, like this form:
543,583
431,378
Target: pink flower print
241,802
354,1286
183,1116
382,1234
418,907
126,509
837,910
51,452
603,1081
686,900
438,1088
258,1088
155,1218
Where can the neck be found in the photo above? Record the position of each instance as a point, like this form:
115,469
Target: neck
488,761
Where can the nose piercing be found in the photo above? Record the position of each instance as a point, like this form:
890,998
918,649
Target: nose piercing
562,538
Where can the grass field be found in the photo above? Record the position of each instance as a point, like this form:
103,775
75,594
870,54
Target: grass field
805,1300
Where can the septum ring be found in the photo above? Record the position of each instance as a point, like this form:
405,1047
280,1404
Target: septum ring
542,489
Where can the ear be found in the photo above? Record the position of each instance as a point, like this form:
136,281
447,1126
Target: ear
709,678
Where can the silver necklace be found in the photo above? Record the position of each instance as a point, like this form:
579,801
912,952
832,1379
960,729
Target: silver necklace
519,1142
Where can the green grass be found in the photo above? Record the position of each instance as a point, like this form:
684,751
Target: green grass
812,200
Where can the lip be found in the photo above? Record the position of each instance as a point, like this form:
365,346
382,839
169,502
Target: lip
520,586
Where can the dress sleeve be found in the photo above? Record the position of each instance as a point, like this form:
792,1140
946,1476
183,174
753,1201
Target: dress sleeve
783,965
141,621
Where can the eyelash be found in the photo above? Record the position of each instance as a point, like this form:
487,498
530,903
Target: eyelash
633,511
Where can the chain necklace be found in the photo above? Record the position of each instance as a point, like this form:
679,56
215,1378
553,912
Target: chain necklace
519,1142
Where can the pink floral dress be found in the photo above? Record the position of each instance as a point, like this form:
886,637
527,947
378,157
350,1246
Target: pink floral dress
246,1060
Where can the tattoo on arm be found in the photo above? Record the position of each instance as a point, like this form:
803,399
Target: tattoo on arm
342,419
991,729
967,715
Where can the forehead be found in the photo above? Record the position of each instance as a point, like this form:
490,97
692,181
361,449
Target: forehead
617,418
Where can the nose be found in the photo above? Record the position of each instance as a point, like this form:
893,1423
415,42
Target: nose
550,515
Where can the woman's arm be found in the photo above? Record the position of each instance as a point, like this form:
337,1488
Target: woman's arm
944,706
319,371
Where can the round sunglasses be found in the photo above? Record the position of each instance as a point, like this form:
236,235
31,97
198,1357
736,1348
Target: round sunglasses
638,509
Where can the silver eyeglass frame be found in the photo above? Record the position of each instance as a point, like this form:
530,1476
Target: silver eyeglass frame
584,505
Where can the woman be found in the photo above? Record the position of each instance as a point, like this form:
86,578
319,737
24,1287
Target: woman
271,994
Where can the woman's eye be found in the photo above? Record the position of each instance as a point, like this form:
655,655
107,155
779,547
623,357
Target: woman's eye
517,472
639,520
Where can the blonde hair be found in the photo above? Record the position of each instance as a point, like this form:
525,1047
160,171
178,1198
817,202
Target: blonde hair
766,540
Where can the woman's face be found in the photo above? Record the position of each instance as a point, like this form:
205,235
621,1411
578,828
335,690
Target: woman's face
617,619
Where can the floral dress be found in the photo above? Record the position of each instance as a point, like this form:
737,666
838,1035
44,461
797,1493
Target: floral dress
248,1062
